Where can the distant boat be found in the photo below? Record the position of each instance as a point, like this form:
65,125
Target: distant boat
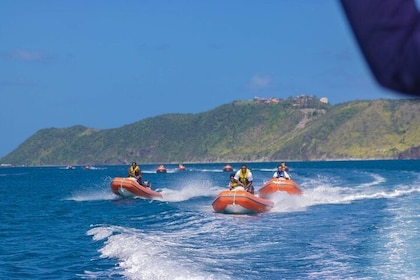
90,167
181,167
161,169
70,167
227,168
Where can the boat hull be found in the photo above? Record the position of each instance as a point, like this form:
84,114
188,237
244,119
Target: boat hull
181,167
279,185
240,202
227,168
161,169
128,187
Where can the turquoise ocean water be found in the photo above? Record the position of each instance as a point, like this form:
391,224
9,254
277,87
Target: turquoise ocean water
355,220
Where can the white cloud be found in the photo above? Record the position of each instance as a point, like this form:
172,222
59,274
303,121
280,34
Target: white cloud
259,82
25,55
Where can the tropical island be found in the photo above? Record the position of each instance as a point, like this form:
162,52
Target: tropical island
301,128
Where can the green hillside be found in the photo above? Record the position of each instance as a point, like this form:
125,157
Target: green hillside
239,131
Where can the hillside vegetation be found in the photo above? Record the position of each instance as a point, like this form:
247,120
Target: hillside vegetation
239,131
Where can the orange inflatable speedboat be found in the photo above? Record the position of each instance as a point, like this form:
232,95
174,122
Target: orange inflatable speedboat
128,187
240,202
161,169
227,168
279,185
181,167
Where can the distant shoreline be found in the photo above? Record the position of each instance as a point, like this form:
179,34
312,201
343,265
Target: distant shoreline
82,166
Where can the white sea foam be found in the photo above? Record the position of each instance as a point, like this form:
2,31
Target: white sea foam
268,170
325,193
400,239
147,256
14,174
190,189
210,170
101,191
377,180
92,196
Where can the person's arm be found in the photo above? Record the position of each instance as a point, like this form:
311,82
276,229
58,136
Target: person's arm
388,33
240,183
249,181
237,179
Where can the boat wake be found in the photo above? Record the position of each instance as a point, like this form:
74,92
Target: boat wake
190,190
323,193
93,193
14,174
92,196
142,256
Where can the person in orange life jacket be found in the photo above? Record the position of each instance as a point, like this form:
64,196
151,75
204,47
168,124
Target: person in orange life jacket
244,178
135,172
232,183
281,172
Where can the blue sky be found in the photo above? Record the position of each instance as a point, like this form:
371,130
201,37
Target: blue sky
105,64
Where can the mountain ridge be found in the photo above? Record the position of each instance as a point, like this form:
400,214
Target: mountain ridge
239,131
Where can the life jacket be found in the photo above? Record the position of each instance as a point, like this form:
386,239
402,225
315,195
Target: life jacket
243,176
233,184
132,172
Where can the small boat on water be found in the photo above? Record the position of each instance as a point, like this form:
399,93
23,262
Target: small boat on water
227,168
129,187
181,167
239,201
161,169
279,185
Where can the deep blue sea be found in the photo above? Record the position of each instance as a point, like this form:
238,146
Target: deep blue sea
355,220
